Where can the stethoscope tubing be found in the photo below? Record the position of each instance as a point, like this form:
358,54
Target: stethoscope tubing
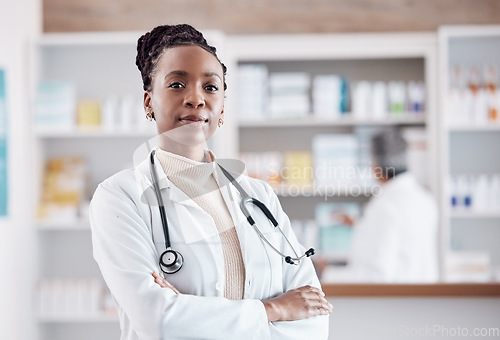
161,205
245,199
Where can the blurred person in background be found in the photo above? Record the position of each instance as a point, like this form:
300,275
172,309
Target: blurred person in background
395,240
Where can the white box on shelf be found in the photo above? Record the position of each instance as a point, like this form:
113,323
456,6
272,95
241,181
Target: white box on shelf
328,95
335,160
252,91
55,105
467,266
289,94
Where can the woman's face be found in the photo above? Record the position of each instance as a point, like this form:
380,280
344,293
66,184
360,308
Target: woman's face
187,96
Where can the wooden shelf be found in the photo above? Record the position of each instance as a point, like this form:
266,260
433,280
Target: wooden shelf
68,318
348,120
474,128
79,225
475,214
413,290
92,133
128,38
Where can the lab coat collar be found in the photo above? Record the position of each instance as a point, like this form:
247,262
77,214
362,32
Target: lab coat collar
145,183
405,180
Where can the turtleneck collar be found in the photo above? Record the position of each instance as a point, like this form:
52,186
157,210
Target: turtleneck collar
177,166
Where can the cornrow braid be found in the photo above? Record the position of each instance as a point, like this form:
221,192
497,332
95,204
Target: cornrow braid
151,45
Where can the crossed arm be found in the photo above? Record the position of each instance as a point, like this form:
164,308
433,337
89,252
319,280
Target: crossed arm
295,304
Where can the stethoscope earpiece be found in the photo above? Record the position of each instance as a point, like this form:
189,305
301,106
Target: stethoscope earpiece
310,252
291,260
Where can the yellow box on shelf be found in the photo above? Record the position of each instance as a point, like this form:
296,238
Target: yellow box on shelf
298,169
62,190
88,113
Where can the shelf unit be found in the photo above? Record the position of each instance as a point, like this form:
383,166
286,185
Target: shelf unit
343,121
372,57
65,319
100,65
467,149
111,56
79,225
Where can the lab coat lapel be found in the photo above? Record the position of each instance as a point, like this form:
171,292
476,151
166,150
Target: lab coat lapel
146,185
172,194
230,194
233,198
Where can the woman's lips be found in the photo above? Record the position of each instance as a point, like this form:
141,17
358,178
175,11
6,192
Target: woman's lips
194,120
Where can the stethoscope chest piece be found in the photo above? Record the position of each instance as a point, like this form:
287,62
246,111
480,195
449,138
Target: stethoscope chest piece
171,261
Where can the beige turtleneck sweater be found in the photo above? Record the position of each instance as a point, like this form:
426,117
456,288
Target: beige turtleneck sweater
196,180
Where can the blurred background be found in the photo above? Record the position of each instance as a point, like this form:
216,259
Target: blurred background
310,84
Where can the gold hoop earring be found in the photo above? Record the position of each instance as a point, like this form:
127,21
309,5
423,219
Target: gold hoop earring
149,115
221,122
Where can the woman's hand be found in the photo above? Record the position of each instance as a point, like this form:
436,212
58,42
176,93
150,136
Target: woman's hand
297,304
163,283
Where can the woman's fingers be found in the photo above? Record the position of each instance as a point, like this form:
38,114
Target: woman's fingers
311,290
162,282
159,280
297,304
319,305
316,301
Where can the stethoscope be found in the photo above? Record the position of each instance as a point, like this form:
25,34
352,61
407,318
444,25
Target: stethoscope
171,261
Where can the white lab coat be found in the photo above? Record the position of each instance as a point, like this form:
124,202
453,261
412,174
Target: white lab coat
395,241
127,237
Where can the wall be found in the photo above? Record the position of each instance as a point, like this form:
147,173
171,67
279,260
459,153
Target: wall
268,16
19,20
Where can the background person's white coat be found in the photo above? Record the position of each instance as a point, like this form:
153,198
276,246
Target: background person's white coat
396,239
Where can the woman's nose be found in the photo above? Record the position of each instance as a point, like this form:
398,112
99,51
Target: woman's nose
194,99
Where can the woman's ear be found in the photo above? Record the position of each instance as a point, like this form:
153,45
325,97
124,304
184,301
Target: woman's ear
147,102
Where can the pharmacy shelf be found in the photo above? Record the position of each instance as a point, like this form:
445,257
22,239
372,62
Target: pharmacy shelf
75,226
68,318
89,38
347,120
92,133
466,147
465,214
474,128
356,57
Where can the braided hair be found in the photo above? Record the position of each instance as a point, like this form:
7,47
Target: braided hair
151,45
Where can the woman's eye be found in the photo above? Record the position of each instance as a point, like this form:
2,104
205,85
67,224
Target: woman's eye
211,88
175,85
